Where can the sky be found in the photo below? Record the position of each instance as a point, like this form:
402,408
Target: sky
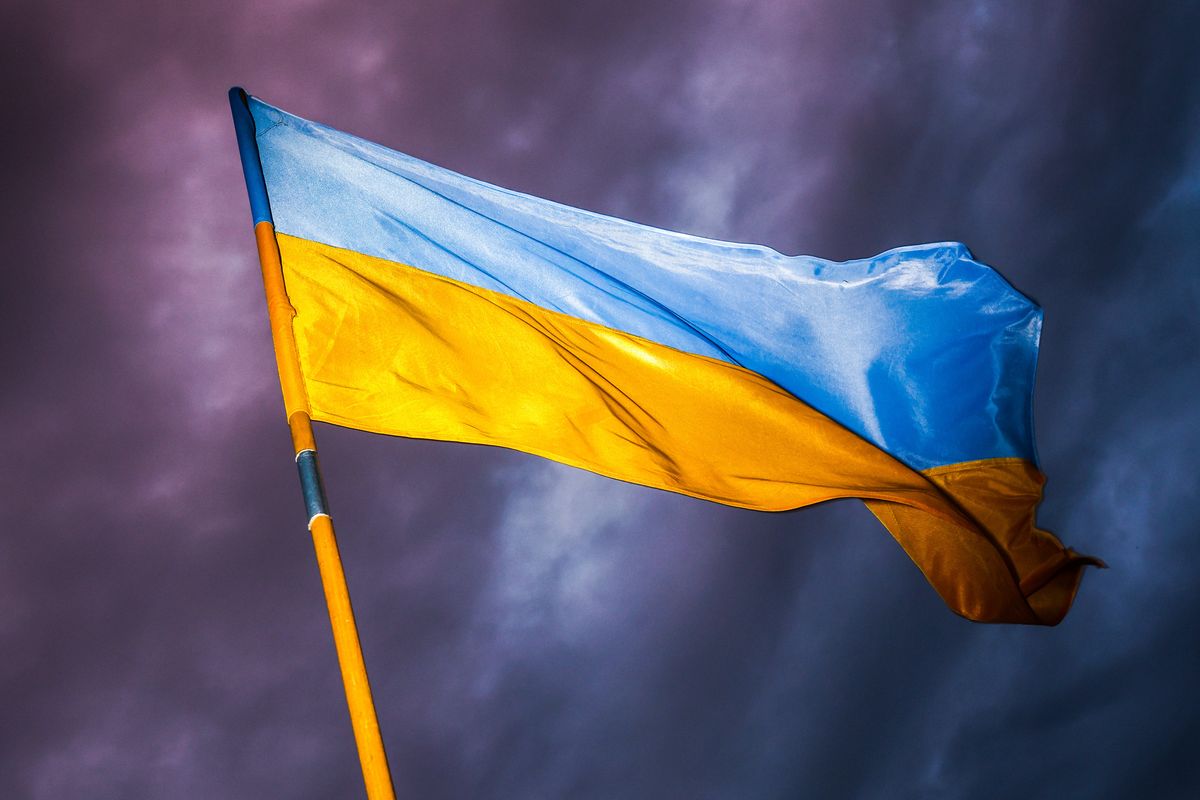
531,630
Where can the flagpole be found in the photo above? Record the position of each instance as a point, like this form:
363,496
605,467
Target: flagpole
363,719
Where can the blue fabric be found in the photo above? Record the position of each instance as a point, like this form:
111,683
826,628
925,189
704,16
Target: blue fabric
921,350
243,125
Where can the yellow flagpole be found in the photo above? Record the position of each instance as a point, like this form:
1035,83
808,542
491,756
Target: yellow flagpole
363,718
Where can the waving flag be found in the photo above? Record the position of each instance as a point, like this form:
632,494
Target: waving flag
428,304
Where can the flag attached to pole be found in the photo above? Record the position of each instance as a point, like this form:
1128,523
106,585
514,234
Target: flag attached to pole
431,305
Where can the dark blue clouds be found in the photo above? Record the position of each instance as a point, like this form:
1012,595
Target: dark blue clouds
534,631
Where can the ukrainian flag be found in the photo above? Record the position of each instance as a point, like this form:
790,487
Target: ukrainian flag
432,305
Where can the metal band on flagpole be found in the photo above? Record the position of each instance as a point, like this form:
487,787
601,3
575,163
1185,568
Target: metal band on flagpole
363,719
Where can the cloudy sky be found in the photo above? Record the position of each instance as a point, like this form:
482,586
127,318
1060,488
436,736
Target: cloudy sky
534,631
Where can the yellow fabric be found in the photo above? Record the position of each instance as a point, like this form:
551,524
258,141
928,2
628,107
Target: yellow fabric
280,313
1026,575
388,348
